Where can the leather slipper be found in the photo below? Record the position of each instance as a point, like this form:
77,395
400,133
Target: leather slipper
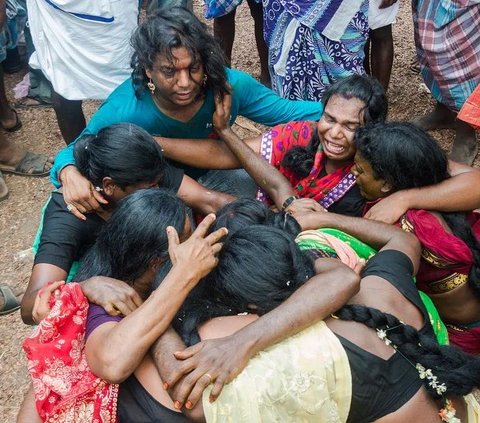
40,104
32,164
11,303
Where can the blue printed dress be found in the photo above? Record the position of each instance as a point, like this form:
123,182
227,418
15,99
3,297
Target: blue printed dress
313,43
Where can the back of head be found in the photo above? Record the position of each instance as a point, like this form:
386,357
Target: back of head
246,212
364,88
166,29
134,235
260,266
124,152
402,154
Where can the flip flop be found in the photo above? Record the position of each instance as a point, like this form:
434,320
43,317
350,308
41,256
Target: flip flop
3,188
17,126
30,161
11,303
40,105
414,66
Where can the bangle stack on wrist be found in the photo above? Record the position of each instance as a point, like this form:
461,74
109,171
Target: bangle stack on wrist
288,202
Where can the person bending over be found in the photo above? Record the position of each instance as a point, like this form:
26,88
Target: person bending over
119,160
397,156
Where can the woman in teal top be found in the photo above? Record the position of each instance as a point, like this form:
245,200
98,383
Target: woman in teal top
177,69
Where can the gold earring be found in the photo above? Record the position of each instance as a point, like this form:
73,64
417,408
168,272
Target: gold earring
151,86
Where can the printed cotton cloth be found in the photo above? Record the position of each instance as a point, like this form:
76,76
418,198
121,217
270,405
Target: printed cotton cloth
312,44
447,39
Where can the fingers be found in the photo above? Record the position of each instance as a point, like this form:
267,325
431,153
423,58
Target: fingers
76,212
41,306
216,236
173,239
186,367
136,299
227,104
218,104
189,386
188,352
217,388
48,290
112,310
197,390
99,197
204,225
216,248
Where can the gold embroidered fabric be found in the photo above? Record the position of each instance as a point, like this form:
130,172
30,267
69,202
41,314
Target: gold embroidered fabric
448,284
305,378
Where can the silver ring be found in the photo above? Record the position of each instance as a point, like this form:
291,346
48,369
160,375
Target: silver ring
70,207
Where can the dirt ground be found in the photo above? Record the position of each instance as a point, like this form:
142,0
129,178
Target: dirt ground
19,215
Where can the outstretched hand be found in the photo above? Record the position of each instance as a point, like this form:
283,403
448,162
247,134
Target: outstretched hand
221,116
197,256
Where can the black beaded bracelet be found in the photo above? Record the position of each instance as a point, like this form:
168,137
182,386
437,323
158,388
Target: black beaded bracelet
288,201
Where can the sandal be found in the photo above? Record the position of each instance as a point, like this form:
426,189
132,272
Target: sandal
11,303
17,125
3,188
414,66
25,104
32,164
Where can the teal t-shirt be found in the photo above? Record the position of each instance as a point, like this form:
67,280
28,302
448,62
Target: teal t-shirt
250,99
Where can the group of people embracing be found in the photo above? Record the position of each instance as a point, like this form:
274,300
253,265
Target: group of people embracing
192,300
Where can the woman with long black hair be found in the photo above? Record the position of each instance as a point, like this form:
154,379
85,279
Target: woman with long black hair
397,156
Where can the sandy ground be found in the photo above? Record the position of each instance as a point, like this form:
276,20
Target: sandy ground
19,215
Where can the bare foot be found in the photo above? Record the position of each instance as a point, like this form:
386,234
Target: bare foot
465,147
440,117
9,120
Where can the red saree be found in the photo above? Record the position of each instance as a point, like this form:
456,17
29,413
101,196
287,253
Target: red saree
445,265
65,388
447,260
326,189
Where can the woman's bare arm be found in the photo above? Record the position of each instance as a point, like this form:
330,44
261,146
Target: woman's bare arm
223,359
461,192
203,153
114,350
